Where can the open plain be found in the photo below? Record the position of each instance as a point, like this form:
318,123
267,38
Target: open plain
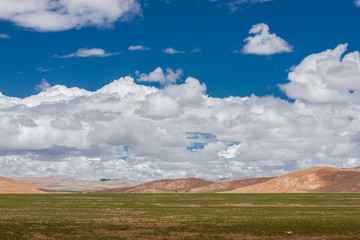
180,216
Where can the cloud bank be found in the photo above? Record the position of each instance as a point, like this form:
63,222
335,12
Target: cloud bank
262,42
126,129
61,15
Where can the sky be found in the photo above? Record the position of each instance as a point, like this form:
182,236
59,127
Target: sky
150,89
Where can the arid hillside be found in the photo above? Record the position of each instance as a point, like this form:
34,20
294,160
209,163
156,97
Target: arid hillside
314,179
228,186
163,186
8,185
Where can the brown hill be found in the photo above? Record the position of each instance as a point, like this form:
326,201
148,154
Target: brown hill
66,184
314,179
228,186
8,185
162,186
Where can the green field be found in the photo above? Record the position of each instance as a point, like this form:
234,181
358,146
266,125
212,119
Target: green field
170,216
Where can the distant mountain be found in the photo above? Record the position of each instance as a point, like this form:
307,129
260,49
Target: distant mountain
185,185
8,185
222,180
228,186
70,185
121,180
314,179
162,186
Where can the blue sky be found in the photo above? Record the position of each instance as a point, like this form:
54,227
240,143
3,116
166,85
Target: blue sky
309,26
168,88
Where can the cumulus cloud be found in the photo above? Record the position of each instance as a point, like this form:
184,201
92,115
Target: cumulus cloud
262,42
126,129
171,50
160,106
4,35
329,76
50,15
158,75
138,48
88,52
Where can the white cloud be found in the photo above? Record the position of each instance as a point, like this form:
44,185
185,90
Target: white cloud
231,152
126,129
263,42
171,50
4,35
88,52
164,78
329,76
160,106
43,86
357,3
138,48
50,15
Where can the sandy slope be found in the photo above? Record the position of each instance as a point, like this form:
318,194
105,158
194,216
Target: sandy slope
8,185
314,179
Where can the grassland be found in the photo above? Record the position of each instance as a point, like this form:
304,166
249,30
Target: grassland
170,216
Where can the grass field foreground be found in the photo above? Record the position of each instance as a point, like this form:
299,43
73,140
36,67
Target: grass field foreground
170,216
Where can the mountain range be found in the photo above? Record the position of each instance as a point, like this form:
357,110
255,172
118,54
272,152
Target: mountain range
57,184
314,179
8,185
